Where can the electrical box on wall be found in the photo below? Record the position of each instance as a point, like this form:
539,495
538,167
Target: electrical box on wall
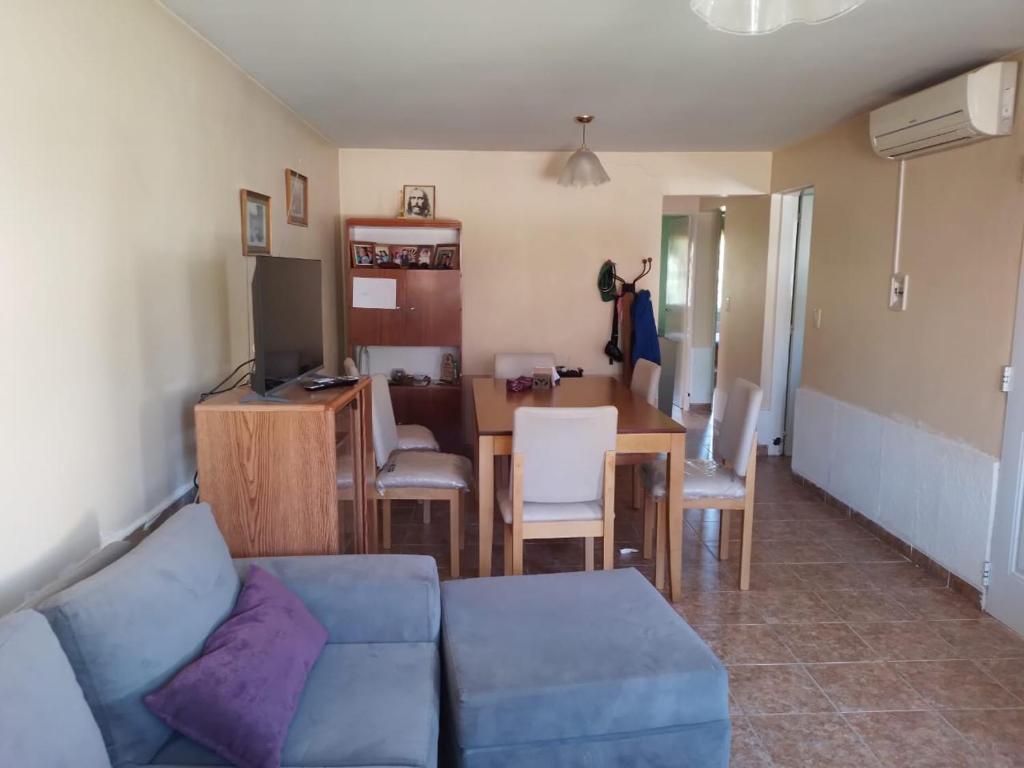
898,291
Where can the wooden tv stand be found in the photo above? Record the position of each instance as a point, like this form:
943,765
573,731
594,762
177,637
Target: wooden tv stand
269,470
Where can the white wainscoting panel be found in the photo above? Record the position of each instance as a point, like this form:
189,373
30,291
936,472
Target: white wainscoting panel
936,494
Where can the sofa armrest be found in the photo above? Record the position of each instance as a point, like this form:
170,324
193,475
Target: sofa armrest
364,598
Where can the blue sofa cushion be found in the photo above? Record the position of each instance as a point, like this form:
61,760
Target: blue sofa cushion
363,705
364,598
128,628
572,655
44,719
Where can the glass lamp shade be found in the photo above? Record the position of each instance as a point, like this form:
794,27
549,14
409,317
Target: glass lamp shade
758,17
583,170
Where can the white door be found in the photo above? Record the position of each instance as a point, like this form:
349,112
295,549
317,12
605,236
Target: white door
676,240
1005,596
796,340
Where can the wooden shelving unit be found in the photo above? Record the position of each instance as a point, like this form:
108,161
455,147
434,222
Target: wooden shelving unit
428,313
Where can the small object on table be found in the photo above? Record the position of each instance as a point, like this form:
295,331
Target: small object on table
542,378
420,380
316,383
398,376
569,373
522,384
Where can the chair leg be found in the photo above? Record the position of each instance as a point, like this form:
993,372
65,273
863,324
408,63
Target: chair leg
660,543
638,488
747,541
608,552
426,511
455,513
724,520
386,532
467,510
517,553
508,549
649,515
588,553
341,527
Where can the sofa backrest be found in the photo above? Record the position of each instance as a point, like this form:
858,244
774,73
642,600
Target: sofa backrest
127,629
44,719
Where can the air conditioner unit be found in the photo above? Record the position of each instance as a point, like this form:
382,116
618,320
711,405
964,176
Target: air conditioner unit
966,109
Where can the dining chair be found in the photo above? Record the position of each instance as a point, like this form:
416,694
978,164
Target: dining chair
416,475
725,482
645,382
562,482
512,365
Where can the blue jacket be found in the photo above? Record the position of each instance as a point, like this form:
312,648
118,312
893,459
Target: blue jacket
645,331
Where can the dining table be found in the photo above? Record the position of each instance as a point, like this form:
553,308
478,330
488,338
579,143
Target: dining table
642,429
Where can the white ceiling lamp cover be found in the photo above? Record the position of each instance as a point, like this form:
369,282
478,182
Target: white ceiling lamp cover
583,168
759,17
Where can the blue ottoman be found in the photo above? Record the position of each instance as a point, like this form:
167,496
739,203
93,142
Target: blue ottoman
577,669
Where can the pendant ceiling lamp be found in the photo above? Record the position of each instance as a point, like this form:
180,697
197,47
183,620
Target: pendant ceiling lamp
583,168
758,17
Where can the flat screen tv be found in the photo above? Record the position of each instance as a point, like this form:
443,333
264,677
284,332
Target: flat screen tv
287,321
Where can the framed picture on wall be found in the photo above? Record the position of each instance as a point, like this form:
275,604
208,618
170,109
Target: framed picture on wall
296,187
362,254
418,201
446,257
255,223
382,253
424,257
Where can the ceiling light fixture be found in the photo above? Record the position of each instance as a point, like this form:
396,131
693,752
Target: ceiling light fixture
583,168
759,17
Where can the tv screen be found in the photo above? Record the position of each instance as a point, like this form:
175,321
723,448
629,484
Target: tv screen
287,321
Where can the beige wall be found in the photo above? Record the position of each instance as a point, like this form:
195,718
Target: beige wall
123,293
744,278
938,363
532,249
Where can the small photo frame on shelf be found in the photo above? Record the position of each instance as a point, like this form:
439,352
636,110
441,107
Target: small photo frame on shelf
424,257
255,223
382,253
446,256
296,187
362,254
418,201
403,255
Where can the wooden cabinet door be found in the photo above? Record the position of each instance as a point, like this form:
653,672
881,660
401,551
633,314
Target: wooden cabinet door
433,308
373,327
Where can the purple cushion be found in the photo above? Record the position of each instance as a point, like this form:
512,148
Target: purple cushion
239,697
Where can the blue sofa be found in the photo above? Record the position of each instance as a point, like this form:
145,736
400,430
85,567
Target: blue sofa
73,685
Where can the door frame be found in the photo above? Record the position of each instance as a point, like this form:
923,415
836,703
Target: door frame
1003,597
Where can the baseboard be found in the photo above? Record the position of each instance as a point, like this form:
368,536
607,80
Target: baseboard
916,556
141,525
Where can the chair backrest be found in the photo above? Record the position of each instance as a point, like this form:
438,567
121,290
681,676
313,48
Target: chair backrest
739,424
508,365
563,451
350,367
385,431
646,378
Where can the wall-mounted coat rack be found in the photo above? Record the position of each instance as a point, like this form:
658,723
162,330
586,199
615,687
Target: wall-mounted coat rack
620,347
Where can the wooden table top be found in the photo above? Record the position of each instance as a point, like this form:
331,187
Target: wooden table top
495,405
333,399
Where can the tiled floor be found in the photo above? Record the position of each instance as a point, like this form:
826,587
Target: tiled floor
841,654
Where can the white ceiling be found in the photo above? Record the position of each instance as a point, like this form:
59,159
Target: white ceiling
510,74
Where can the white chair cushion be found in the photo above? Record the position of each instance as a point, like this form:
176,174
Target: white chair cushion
413,437
550,512
425,469
704,479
